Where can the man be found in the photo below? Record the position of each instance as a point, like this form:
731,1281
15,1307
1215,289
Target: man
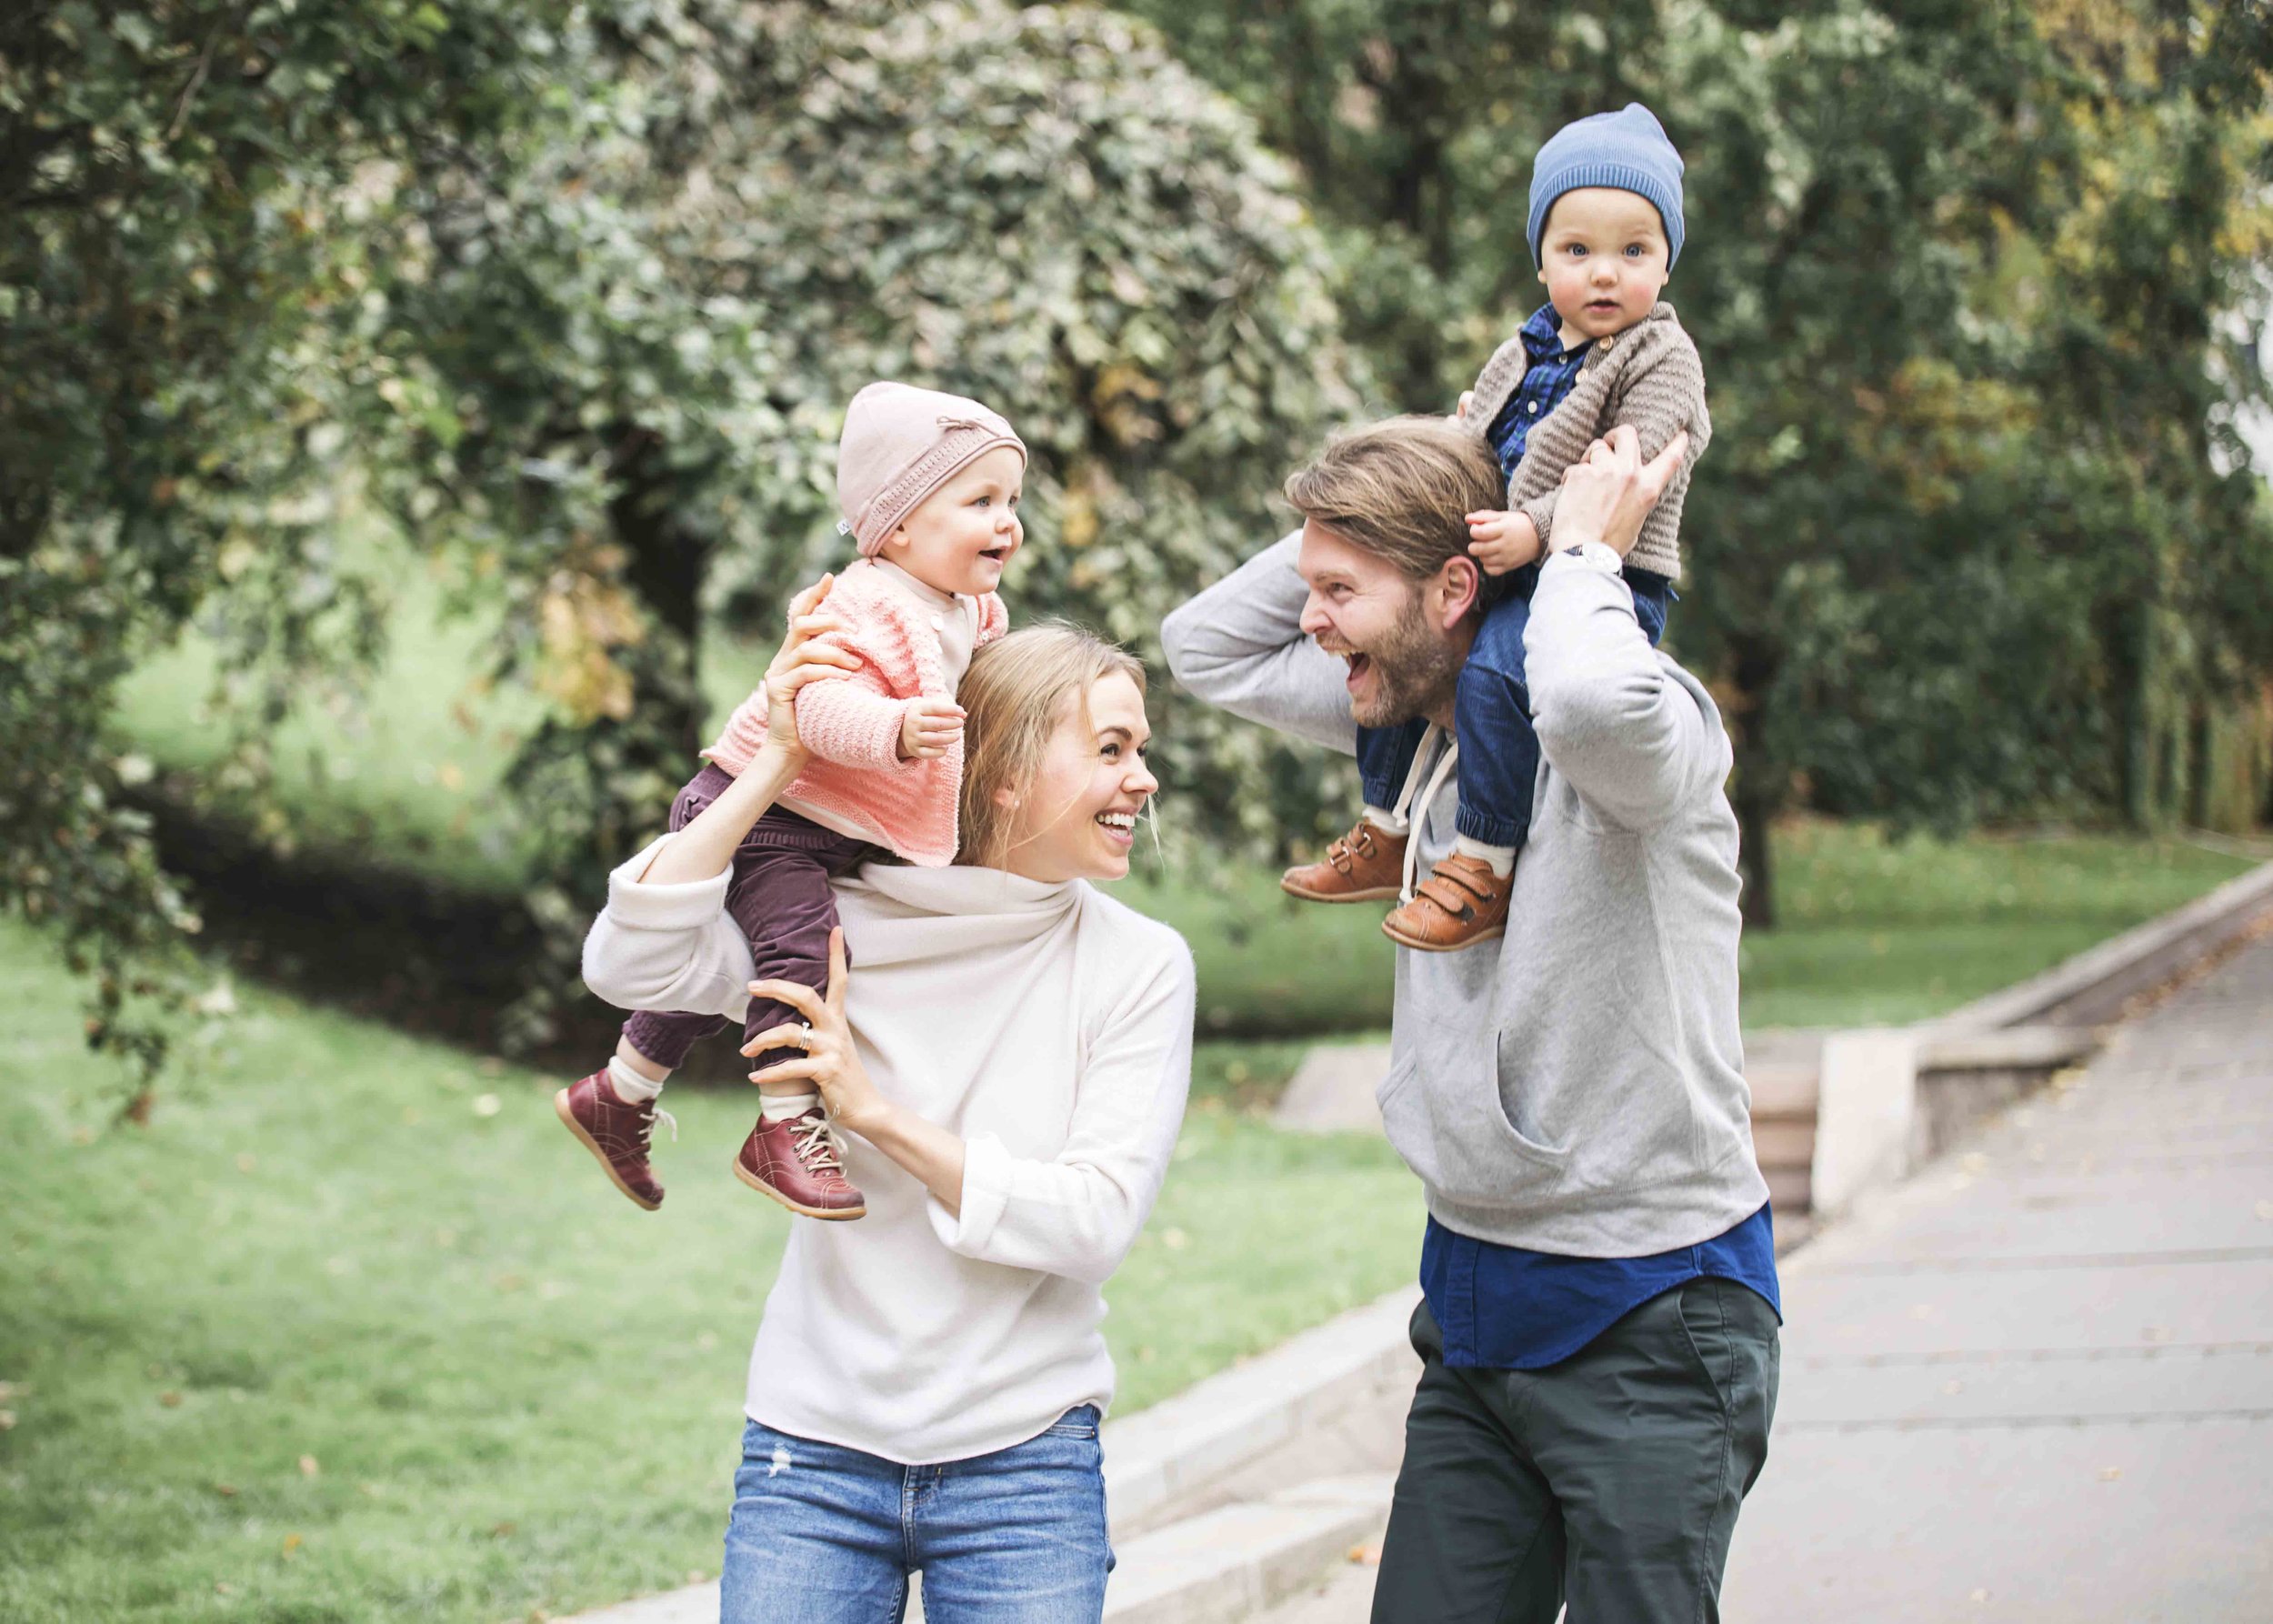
1599,1337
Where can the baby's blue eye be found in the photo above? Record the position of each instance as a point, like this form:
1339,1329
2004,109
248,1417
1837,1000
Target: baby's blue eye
1634,250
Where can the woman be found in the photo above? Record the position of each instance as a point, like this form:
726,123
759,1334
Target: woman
1010,1058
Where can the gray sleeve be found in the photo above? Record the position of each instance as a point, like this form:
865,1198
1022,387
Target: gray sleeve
1241,647
1612,716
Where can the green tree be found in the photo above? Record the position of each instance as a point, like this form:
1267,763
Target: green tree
1961,549
579,301
180,239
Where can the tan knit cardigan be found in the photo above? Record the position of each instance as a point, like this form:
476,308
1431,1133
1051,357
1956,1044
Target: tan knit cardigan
1650,376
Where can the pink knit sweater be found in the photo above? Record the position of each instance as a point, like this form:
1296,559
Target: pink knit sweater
852,725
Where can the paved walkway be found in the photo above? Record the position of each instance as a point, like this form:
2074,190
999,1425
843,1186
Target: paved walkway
2036,1382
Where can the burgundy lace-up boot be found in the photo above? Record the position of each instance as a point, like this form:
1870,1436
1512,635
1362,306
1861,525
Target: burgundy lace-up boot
615,1133
794,1161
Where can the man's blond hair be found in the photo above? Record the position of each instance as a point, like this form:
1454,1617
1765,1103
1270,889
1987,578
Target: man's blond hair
1402,488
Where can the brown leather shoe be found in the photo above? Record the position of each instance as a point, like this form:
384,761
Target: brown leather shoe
1366,865
794,1161
615,1133
1462,903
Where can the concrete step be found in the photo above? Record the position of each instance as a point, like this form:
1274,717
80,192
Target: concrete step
1236,1560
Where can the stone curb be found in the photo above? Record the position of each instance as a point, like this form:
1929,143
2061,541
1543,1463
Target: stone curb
2092,988
1873,1126
1184,1443
1236,1560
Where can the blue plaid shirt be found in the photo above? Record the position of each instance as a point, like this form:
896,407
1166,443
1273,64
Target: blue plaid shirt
1552,373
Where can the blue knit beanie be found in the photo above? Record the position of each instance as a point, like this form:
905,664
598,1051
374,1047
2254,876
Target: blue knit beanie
1627,150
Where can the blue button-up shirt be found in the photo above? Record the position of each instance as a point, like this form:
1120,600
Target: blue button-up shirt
1505,1308
1552,373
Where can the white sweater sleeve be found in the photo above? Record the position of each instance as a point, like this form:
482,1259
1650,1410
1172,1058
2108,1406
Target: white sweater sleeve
1078,1214
668,946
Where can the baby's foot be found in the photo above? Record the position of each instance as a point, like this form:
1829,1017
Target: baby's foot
1366,865
615,1133
1462,903
794,1161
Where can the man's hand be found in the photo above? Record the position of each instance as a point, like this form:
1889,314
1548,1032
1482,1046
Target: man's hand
1610,492
928,727
1502,541
1460,412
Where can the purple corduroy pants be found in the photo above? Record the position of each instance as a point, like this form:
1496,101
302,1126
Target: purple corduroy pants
779,896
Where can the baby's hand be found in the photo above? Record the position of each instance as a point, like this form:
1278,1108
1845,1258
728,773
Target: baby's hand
928,728
1503,541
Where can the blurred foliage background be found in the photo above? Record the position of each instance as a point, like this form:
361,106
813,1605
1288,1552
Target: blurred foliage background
308,309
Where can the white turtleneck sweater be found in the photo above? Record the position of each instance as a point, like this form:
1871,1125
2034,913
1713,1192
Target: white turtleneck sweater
1049,1027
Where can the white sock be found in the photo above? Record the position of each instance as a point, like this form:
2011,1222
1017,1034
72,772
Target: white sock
780,1108
1389,821
629,1086
1501,857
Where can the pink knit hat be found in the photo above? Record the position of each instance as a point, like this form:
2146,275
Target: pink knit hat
901,444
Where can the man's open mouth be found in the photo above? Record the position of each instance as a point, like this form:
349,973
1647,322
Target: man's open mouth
1359,665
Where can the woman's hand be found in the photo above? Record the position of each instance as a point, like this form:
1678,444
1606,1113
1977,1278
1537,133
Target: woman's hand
1610,492
798,661
828,1063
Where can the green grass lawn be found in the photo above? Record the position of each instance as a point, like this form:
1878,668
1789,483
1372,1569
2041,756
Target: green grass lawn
353,1330
1874,932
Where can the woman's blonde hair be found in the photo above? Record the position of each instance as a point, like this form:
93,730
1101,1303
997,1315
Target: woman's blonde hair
1012,697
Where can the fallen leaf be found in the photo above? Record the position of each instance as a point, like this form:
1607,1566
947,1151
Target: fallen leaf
504,1530
172,1400
227,1491
308,1467
244,1161
487,1105
7,1420
291,1544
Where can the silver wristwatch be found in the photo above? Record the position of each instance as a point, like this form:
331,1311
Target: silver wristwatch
1597,554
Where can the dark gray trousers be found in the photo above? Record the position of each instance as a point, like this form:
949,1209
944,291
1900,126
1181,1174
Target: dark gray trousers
1610,1481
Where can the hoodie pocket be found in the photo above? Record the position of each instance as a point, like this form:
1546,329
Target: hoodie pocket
1455,1136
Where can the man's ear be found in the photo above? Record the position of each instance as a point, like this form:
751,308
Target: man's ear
1457,585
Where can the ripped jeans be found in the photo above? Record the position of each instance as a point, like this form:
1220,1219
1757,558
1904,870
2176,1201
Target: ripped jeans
822,1534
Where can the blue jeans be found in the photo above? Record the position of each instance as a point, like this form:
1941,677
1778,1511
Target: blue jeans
1491,714
822,1534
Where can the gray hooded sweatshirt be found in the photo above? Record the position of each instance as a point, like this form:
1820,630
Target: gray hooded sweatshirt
1577,1087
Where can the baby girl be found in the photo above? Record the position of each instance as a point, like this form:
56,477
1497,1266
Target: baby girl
929,486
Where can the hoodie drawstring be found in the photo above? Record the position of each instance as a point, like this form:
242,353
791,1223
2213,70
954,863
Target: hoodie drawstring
1414,813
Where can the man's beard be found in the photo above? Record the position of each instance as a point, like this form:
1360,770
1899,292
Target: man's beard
1415,671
